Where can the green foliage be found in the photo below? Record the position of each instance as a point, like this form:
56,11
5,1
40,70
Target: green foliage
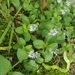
31,65
21,41
47,55
16,3
5,65
22,54
16,73
38,44
39,60
3,35
19,30
36,32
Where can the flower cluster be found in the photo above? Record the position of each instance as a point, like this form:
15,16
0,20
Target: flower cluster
33,27
33,54
63,11
53,52
59,1
68,3
53,32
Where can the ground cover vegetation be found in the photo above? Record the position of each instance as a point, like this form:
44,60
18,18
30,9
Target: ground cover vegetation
37,37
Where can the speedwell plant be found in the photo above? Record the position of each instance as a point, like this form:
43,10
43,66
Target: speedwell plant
41,34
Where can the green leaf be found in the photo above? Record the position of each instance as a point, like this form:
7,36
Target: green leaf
42,25
51,39
21,41
25,19
26,4
61,39
19,30
39,60
52,46
5,65
16,3
30,7
49,25
27,36
31,65
48,14
16,46
28,47
38,44
32,17
47,55
42,17
16,73
33,37
25,29
70,57
22,54
45,32
67,19
36,5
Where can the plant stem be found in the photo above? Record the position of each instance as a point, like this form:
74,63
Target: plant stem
11,36
8,3
16,64
4,34
19,10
